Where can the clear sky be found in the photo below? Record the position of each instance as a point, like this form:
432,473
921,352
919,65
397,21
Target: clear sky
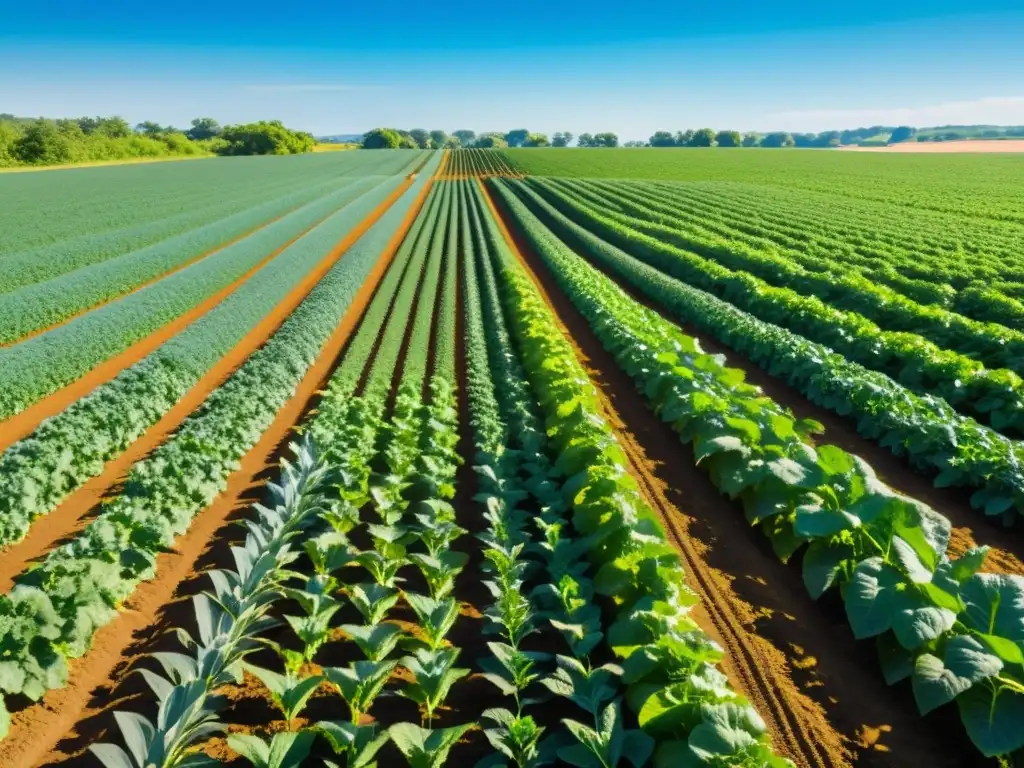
632,68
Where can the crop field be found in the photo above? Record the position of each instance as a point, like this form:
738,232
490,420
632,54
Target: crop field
533,457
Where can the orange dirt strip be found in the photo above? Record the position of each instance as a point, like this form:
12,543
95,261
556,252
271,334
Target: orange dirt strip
36,731
23,424
73,512
818,692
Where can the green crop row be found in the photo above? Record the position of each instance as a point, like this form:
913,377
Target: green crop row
666,659
995,396
954,632
925,429
57,605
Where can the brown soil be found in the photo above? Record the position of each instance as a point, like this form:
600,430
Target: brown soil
945,147
74,713
74,511
821,693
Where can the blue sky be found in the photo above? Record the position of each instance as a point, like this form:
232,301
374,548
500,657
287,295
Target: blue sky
631,68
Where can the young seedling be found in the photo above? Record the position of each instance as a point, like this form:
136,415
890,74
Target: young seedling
512,671
588,688
424,748
286,749
360,683
376,641
289,692
606,744
436,617
359,744
516,738
372,600
440,572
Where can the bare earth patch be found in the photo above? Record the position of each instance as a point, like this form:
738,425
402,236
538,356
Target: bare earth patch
968,145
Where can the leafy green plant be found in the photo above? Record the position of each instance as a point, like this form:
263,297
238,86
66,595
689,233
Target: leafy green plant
285,750
440,571
289,692
360,683
434,673
516,738
606,744
436,617
373,600
512,671
359,744
316,600
375,640
424,748
383,568
588,688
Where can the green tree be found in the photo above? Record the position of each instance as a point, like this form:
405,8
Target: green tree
114,127
453,143
705,137
728,138
9,135
536,140
42,144
563,139
438,139
751,140
265,138
421,137
491,141
683,138
149,128
778,139
204,128
382,138
662,139
607,139
585,140
517,137
901,134
466,138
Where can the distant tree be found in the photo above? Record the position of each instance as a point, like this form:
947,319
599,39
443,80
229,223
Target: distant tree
705,137
683,138
805,140
636,143
728,138
42,144
517,137
264,138
751,140
537,140
89,125
491,141
382,138
585,140
438,139
9,135
828,139
114,127
901,134
465,137
563,139
420,136
607,139
452,142
407,142
149,128
778,139
204,128
663,139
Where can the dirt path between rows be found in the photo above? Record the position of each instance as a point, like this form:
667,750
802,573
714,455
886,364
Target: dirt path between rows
66,721
821,693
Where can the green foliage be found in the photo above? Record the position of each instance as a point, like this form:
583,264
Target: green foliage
382,138
705,137
517,137
728,139
264,138
490,141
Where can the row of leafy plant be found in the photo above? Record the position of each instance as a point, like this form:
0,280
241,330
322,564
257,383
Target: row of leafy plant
57,605
935,438
76,444
956,633
687,713
723,267
43,364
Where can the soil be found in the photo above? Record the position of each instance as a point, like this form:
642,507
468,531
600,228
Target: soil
944,147
821,693
58,729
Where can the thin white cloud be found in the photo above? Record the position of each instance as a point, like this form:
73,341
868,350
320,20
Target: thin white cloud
1000,110
304,87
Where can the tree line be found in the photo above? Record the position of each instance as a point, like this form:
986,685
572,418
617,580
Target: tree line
45,141
419,138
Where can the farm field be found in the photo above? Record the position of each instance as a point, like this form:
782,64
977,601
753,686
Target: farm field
514,458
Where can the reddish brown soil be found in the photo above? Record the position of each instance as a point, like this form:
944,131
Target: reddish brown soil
74,511
73,713
821,693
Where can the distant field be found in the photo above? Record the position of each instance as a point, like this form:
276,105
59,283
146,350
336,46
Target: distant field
333,147
970,145
983,185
